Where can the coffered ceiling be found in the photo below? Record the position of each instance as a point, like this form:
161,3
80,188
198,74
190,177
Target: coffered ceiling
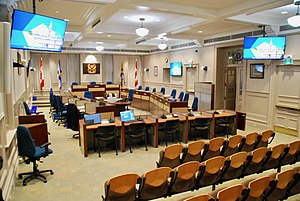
183,21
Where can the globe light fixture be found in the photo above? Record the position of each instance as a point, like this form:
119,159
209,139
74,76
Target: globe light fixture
99,48
142,31
162,46
294,21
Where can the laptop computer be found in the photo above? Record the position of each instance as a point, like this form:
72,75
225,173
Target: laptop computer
127,116
91,119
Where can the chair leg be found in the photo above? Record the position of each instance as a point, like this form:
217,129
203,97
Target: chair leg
98,146
130,146
116,145
146,140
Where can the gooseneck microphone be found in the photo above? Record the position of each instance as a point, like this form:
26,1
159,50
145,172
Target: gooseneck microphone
140,118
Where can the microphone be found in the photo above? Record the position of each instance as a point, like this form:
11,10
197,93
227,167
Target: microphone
140,118
190,114
110,119
163,116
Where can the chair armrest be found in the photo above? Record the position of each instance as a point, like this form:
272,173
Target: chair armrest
45,145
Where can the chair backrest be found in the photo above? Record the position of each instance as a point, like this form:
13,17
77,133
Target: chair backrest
173,93
154,90
109,82
93,83
25,143
27,110
172,125
163,90
277,151
140,87
234,141
213,165
204,197
216,143
147,88
130,94
202,122
232,193
180,97
88,94
238,159
251,138
259,154
195,104
187,170
266,135
294,147
196,147
258,186
51,97
106,130
157,176
137,128
186,97
122,186
74,83
173,151
284,178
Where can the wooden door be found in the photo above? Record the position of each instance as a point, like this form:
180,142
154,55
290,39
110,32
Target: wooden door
230,88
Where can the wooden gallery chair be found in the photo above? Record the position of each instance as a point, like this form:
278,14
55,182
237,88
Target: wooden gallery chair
154,184
121,188
184,177
235,165
278,189
170,156
233,193
257,188
275,155
294,186
105,134
214,148
202,125
249,142
210,172
258,158
266,138
291,151
231,145
193,151
204,197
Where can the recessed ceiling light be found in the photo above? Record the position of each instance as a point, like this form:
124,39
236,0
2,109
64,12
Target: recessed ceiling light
108,35
157,20
99,42
126,17
284,12
200,31
142,8
67,20
99,32
57,11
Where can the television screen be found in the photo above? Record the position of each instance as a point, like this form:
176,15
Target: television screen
36,32
176,69
264,48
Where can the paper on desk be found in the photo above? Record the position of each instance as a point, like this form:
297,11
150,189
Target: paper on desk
104,122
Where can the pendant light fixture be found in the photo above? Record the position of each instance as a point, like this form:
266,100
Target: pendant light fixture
162,45
294,21
142,31
99,48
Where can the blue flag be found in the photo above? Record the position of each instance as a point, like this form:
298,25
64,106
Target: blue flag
59,75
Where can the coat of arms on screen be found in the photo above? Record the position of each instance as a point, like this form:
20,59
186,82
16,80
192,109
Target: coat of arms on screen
91,68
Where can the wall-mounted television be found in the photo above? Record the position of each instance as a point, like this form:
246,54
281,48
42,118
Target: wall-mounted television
263,48
36,32
176,69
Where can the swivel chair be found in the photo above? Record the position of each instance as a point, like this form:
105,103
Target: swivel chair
140,87
180,97
130,95
74,83
195,104
32,153
147,88
154,90
109,82
27,110
173,93
88,94
186,97
163,90
93,83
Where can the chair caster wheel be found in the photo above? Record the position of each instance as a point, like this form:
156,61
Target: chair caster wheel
51,172
24,184
20,176
45,181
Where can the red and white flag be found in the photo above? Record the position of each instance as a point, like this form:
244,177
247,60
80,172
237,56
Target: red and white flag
136,81
42,81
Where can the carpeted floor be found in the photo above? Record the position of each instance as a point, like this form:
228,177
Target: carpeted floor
81,179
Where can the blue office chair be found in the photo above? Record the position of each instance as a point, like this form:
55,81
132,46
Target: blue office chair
140,87
93,83
130,95
147,88
173,93
154,90
109,82
74,83
88,94
186,97
195,104
163,90
27,110
180,97
31,153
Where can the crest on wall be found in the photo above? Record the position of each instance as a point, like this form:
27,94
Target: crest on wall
91,68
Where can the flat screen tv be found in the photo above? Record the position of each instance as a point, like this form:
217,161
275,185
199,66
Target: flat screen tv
36,32
176,69
264,48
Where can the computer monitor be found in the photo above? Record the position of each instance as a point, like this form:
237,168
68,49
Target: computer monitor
92,119
127,115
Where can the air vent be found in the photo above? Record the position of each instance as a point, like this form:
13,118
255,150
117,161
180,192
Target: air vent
287,28
235,36
105,50
183,45
96,22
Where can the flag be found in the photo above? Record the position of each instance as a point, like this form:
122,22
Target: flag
59,75
136,82
42,81
122,76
